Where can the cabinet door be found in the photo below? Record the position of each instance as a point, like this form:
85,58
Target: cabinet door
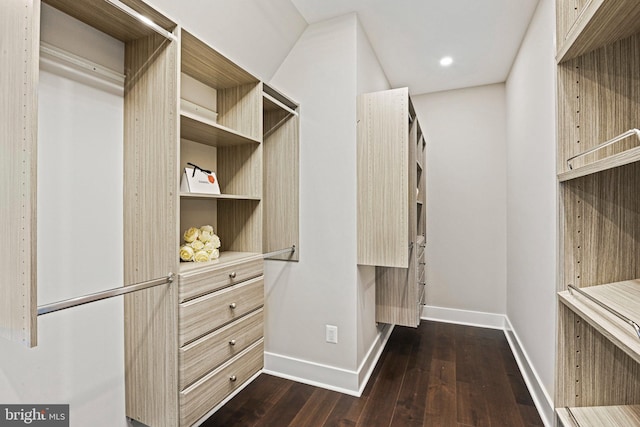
19,47
383,179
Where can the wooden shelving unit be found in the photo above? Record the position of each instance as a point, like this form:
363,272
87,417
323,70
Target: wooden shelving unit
600,416
598,360
391,203
192,343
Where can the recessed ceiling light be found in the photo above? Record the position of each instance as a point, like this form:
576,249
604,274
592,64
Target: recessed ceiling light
446,61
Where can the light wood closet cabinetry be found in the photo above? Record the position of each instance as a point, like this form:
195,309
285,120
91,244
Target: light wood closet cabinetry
598,360
190,344
391,203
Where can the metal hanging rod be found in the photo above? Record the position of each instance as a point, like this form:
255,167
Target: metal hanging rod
604,144
290,250
140,17
616,313
573,417
73,302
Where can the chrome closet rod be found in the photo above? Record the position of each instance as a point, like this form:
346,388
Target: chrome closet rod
85,299
573,417
290,250
621,316
604,144
140,17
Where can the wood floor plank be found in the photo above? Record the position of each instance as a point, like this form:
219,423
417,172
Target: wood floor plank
411,404
438,375
441,407
317,409
381,403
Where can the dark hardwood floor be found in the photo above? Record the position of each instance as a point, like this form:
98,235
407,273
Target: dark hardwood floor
437,375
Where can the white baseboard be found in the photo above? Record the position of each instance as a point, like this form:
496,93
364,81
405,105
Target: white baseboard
538,392
463,317
543,402
351,382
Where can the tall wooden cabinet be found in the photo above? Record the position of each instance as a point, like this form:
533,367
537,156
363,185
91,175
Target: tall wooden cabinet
598,358
391,203
190,344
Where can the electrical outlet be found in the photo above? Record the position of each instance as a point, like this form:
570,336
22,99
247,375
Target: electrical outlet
332,334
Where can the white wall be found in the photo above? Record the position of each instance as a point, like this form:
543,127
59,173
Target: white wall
255,34
79,359
531,207
466,197
323,72
370,78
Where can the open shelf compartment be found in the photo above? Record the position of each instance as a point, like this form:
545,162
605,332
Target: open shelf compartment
598,416
623,297
598,23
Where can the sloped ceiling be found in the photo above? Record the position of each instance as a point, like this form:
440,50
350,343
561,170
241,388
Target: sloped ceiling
411,36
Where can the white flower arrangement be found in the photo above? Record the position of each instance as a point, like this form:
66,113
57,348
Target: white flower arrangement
200,245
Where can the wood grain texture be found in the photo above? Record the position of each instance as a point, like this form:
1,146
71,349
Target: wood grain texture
150,218
397,294
231,268
209,312
204,131
597,416
111,20
240,108
205,64
595,371
281,188
599,99
383,173
436,375
240,225
601,217
240,170
205,394
599,23
19,54
624,297
209,352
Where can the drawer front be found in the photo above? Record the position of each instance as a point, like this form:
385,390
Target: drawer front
207,313
211,351
193,285
204,395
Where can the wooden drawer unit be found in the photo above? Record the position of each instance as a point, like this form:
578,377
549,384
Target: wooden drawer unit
202,315
210,351
210,390
230,270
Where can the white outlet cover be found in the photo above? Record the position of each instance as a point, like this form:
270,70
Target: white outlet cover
332,334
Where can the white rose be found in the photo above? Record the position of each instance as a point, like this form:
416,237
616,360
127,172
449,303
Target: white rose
197,245
208,247
186,253
191,234
205,236
215,254
215,241
201,256
206,229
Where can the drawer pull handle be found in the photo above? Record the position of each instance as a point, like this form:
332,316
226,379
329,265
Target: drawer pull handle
232,275
233,378
232,342
232,305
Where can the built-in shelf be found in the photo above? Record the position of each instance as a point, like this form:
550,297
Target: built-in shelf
202,196
623,297
116,18
208,132
626,157
601,22
598,416
226,257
